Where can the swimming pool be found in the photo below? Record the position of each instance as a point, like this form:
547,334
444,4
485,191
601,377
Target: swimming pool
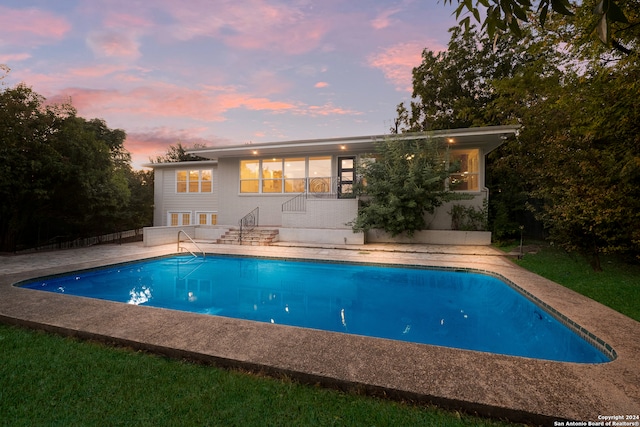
457,309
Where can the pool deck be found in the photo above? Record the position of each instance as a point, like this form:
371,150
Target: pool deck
516,388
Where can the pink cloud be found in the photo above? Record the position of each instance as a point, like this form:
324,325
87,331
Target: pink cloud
165,101
96,71
383,20
14,57
149,144
397,62
321,85
254,24
25,27
126,21
114,44
327,110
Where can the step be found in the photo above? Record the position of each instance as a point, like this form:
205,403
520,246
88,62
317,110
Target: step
256,237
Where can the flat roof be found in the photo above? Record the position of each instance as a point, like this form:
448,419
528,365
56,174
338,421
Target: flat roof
488,138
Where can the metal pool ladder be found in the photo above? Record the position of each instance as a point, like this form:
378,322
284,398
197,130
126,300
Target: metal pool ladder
192,241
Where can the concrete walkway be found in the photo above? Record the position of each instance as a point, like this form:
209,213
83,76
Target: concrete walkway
520,389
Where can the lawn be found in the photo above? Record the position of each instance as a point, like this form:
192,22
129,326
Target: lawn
55,381
617,286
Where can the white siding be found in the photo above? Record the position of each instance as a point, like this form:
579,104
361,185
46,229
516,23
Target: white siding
167,199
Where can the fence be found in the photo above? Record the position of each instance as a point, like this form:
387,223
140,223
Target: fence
86,241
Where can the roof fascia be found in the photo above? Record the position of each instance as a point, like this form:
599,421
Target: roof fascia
488,137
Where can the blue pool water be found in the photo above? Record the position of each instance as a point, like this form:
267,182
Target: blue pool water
453,309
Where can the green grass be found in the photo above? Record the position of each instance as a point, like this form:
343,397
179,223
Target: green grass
55,381
617,286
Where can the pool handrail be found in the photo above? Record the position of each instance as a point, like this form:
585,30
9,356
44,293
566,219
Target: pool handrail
192,241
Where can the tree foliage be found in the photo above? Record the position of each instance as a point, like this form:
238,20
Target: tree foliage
588,162
178,153
613,22
455,88
405,179
60,175
575,164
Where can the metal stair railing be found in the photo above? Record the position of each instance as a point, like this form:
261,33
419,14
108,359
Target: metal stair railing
248,223
296,204
192,241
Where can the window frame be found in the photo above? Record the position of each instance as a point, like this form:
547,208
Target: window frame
194,181
180,216
282,184
470,173
211,217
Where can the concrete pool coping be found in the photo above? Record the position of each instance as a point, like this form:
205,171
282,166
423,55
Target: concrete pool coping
516,388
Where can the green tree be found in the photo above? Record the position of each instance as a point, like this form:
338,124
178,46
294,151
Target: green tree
613,22
27,162
60,175
91,191
405,179
178,153
458,88
455,88
588,162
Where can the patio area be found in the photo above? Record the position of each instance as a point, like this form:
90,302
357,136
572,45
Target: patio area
516,388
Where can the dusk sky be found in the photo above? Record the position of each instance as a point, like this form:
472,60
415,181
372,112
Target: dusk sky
220,72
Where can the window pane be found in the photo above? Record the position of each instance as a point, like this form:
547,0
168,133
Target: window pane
202,219
249,186
294,168
186,219
465,168
271,168
249,169
319,185
347,176
214,219
272,186
319,167
181,181
294,185
206,184
193,181
174,219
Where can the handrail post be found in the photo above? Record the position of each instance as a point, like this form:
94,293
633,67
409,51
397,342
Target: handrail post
192,241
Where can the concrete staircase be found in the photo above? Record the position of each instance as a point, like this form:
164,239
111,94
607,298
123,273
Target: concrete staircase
255,237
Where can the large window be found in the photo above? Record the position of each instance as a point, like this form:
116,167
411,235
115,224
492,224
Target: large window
286,175
194,181
465,170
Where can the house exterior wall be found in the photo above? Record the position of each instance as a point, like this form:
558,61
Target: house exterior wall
323,213
230,205
237,205
167,199
441,218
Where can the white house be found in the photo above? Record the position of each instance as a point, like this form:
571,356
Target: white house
303,189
